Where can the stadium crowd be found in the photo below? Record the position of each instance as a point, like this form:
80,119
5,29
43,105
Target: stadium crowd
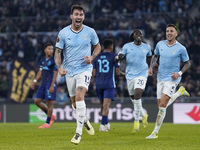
25,26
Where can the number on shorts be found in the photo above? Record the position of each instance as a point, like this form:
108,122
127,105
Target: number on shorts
87,80
140,82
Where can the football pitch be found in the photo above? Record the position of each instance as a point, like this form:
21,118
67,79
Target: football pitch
27,136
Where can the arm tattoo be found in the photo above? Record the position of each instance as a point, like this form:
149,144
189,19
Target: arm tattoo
154,60
186,66
57,57
93,55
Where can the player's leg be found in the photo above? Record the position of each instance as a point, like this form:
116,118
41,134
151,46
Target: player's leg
139,86
49,115
100,94
168,90
180,92
82,83
50,98
40,95
41,105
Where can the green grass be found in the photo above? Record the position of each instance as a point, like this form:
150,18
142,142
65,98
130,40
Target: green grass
26,136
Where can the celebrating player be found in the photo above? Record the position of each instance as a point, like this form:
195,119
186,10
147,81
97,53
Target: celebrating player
47,90
171,53
136,53
75,41
104,70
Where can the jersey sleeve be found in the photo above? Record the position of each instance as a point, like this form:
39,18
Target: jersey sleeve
94,37
184,55
60,41
41,64
156,51
124,50
149,50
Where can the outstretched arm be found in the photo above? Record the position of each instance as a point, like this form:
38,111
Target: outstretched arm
186,66
57,59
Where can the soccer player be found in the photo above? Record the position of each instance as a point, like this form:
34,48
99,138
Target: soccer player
47,89
76,41
104,69
136,53
171,53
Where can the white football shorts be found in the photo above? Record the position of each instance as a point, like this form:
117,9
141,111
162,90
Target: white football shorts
165,87
138,82
82,79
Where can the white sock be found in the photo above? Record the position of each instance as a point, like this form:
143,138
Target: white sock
137,108
74,109
80,115
141,109
173,98
159,119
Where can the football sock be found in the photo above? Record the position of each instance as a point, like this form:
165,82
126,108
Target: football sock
80,115
48,120
159,119
74,109
141,108
137,108
45,111
173,98
104,120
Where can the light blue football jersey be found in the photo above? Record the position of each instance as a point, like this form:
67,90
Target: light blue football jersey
170,58
75,46
136,64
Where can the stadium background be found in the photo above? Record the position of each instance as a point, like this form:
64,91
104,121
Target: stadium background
25,26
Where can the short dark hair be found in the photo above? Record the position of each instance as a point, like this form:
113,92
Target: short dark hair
76,6
172,25
107,43
48,44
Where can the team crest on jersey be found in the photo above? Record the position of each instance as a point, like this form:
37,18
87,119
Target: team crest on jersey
49,63
174,52
57,40
85,37
144,50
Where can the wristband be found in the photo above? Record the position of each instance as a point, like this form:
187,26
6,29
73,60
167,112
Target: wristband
180,73
35,80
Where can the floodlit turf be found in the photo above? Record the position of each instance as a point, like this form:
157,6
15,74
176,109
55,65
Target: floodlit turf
27,136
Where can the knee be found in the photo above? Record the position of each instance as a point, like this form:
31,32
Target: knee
137,96
78,98
36,102
162,105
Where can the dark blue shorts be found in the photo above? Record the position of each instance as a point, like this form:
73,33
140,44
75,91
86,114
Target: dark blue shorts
43,92
106,93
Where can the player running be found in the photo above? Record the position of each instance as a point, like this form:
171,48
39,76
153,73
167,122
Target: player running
76,41
136,53
171,53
